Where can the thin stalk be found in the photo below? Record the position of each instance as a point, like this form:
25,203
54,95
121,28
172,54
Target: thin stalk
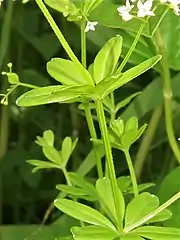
93,135
153,214
83,44
57,31
167,92
128,55
66,175
132,173
146,141
109,158
28,85
87,109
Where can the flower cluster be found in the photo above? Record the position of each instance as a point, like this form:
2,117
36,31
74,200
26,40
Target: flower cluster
142,9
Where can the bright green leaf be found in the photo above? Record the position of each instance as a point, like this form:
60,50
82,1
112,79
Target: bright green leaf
93,232
170,186
67,72
158,233
139,207
104,189
52,154
107,86
66,150
49,137
51,94
107,58
126,101
83,213
162,216
41,164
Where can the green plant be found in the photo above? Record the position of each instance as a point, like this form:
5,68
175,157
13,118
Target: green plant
118,216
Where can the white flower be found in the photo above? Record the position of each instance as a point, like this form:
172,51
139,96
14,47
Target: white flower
175,5
124,11
1,2
90,26
144,9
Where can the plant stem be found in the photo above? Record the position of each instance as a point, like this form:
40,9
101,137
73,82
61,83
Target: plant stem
87,109
68,180
57,31
109,158
93,134
83,44
128,55
167,96
27,85
132,173
146,141
153,214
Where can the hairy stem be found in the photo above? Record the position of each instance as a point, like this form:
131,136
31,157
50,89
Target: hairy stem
167,92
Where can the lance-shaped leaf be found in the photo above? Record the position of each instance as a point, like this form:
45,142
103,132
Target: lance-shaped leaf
139,207
51,94
68,73
93,232
109,85
158,233
104,189
83,213
41,165
107,58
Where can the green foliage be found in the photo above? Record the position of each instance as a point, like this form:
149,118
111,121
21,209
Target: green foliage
106,203
168,187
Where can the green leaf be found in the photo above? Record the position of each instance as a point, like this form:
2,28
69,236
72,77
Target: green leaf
90,5
104,189
123,183
51,94
107,86
171,21
64,6
52,154
131,237
141,187
78,192
93,232
83,213
139,207
125,101
131,124
66,150
162,216
158,233
41,164
79,181
107,58
170,186
68,73
49,137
